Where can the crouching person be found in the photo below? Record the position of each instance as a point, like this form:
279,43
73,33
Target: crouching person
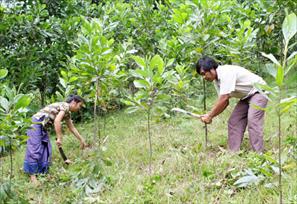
238,82
39,150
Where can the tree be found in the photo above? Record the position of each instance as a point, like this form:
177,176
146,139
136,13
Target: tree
93,66
151,81
281,99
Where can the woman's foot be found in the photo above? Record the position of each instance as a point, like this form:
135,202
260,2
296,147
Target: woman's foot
34,180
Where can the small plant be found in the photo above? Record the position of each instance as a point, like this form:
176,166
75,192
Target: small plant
13,122
180,86
93,64
151,81
281,100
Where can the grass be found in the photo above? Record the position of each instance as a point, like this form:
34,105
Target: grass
183,169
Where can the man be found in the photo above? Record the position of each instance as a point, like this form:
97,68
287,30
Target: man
238,82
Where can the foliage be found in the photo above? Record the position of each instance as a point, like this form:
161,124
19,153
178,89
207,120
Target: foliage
92,67
85,47
151,79
36,35
13,109
35,46
87,178
13,122
281,102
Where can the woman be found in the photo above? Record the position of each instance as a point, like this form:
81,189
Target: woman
39,150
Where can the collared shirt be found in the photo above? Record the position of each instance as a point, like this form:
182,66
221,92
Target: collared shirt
50,112
236,81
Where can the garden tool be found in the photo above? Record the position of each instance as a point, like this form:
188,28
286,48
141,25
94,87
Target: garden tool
186,112
63,154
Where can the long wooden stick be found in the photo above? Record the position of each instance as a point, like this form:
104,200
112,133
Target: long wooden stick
186,112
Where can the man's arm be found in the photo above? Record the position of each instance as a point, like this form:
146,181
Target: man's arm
58,127
219,107
76,133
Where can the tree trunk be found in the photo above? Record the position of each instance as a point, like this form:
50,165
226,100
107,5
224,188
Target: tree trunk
204,107
11,165
150,139
96,124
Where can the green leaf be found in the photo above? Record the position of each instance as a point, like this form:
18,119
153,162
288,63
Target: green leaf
3,73
163,97
292,55
107,52
170,62
247,24
62,82
271,57
72,79
157,79
287,103
289,27
158,62
132,109
64,74
270,69
22,101
140,61
139,73
4,103
168,75
141,84
279,76
127,102
289,68
2,142
248,179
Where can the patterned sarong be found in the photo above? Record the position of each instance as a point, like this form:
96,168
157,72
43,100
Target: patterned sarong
39,150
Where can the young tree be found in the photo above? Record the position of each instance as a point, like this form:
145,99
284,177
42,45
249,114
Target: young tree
13,120
282,100
151,81
93,64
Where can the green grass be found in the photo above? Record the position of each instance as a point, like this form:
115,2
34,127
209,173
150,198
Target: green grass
183,169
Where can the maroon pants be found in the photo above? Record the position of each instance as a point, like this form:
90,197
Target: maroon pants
244,114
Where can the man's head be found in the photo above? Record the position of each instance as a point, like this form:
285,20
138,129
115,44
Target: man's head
206,67
75,102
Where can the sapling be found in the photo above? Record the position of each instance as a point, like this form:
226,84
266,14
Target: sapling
151,81
93,64
13,115
281,99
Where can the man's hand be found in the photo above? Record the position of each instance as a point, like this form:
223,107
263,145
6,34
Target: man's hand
206,118
59,142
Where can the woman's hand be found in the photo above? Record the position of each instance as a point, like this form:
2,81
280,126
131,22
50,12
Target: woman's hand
83,144
67,161
59,142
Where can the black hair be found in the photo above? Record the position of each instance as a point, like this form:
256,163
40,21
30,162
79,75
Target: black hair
75,98
206,64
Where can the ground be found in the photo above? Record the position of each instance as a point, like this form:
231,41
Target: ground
184,170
